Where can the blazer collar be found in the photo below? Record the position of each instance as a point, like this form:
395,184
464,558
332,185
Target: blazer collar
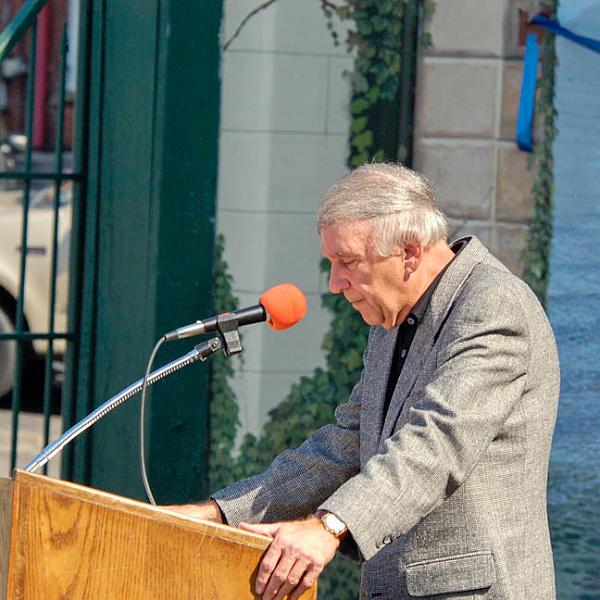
439,306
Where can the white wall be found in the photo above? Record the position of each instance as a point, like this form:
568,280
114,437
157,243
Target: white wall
284,124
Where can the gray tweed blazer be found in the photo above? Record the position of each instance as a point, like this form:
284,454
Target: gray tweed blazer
445,495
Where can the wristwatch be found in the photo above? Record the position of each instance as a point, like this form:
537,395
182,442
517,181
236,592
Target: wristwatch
333,524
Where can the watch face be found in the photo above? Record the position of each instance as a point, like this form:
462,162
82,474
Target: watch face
333,524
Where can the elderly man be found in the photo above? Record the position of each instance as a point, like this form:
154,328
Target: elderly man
435,471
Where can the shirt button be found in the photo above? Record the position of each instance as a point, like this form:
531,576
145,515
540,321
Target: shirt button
410,321
403,353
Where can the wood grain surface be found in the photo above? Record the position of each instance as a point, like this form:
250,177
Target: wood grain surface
71,542
5,515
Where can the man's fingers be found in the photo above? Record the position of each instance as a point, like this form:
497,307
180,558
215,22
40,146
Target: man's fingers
293,579
295,558
309,579
267,566
277,585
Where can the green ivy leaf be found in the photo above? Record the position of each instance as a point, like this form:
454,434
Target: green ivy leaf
363,140
358,124
359,105
373,94
379,156
360,84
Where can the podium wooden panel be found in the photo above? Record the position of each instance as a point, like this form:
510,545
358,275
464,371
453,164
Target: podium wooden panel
72,542
5,514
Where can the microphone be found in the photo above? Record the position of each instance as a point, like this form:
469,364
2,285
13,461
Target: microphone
281,306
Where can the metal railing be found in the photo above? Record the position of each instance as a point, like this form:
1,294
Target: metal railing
23,338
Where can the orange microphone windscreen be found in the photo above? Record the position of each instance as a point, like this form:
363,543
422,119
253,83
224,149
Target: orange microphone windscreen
285,305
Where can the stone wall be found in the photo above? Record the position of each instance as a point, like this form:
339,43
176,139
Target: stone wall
284,130
468,87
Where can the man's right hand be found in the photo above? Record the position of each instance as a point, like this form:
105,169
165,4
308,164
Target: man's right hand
206,511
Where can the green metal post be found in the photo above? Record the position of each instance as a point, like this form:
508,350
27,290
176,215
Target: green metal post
151,185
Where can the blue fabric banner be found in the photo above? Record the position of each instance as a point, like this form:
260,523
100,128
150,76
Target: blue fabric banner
587,42
524,132
527,102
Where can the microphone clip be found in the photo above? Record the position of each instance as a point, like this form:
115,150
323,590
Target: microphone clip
227,326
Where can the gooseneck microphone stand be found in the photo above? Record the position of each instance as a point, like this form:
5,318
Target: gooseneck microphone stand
228,340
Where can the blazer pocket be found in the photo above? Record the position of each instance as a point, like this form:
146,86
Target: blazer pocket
458,573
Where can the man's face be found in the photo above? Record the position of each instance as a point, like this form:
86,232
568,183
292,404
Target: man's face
375,286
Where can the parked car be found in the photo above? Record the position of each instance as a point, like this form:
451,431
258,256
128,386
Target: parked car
38,272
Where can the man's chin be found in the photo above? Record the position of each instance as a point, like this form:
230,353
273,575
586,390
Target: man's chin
369,319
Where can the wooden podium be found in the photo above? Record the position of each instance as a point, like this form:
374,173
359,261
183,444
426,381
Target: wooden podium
76,543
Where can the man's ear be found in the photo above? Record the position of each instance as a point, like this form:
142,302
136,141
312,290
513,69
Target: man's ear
413,253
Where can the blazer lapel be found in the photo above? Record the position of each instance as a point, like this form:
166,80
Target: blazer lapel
427,332
375,387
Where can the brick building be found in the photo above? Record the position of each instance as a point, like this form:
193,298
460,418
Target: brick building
14,74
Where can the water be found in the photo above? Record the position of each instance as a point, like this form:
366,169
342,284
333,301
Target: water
574,308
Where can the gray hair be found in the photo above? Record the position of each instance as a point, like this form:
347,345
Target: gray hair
400,203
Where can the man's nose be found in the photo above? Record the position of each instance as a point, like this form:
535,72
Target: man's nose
337,283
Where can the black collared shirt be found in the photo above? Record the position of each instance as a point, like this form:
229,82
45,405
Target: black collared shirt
408,328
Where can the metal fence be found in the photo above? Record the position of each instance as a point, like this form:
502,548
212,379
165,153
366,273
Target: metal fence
39,202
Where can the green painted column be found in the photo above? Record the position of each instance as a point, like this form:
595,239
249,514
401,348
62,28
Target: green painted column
151,186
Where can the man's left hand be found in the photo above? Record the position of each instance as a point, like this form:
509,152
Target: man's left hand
299,552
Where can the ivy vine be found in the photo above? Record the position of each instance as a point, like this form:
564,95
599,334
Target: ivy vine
538,243
375,39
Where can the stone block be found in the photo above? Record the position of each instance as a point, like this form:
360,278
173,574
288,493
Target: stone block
302,27
512,76
458,228
338,104
245,247
510,243
278,171
294,251
274,92
244,170
303,168
284,26
468,27
263,249
513,185
256,34
462,173
457,98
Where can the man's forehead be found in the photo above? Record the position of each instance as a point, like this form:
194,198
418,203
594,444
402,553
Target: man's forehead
344,238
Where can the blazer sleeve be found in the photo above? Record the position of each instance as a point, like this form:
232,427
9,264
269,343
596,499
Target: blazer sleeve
480,375
300,479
